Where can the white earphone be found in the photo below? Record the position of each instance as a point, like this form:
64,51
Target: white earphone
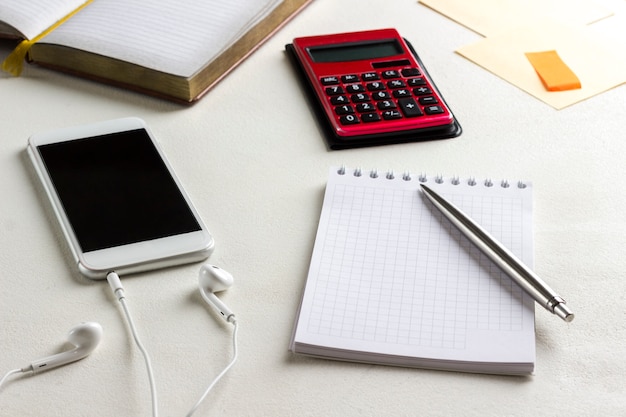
213,279
85,337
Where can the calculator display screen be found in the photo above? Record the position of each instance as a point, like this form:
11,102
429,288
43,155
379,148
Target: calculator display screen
356,51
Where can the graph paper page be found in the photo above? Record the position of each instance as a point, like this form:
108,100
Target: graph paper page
390,275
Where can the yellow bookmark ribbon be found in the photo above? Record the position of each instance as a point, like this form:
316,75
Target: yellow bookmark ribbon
14,63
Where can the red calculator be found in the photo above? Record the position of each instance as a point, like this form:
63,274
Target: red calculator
371,88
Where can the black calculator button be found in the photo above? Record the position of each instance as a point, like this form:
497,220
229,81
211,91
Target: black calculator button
409,107
350,78
329,80
381,95
360,98
422,91
391,74
349,119
375,86
386,105
355,88
396,84
391,115
401,93
334,90
344,110
370,76
338,100
411,72
434,110
416,82
365,107
428,100
370,117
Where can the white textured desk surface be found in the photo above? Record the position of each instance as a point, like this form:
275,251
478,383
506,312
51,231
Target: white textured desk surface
251,157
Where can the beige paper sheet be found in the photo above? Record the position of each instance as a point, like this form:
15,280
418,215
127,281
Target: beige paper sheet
592,59
490,17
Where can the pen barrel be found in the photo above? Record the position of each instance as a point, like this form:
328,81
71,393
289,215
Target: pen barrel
502,257
517,270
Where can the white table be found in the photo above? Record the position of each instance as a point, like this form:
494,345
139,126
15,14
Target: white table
251,156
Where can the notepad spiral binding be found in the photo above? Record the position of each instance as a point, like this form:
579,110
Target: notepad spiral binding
439,179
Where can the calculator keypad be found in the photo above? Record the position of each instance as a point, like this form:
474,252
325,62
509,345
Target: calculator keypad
379,96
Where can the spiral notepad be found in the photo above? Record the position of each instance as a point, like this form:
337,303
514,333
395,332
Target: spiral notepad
393,282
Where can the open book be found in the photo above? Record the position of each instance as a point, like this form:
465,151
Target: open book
393,282
173,49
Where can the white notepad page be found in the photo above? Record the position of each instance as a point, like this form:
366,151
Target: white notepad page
390,276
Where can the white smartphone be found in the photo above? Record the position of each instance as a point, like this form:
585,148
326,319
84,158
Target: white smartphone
117,199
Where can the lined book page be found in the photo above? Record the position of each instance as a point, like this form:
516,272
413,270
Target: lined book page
33,17
391,276
177,37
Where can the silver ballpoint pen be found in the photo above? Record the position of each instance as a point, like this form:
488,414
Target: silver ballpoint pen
503,257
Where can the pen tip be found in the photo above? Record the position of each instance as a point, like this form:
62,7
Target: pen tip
564,312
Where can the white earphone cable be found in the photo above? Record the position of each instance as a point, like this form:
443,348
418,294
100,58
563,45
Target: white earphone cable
8,374
226,369
118,291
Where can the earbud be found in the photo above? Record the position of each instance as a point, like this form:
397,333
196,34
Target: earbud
211,280
85,337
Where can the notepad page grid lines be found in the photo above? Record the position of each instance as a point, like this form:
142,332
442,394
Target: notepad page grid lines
389,273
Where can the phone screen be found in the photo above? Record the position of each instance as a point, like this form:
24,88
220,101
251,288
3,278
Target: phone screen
116,190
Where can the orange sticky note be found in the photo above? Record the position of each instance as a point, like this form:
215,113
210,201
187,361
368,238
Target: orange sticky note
554,73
